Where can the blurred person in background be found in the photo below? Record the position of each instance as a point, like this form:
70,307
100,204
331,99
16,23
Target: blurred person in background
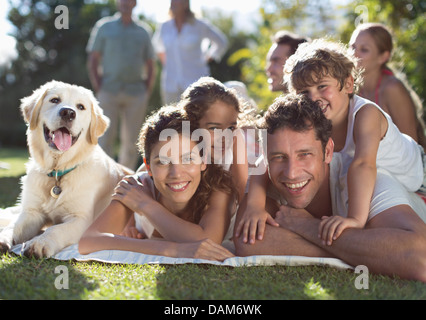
185,45
122,72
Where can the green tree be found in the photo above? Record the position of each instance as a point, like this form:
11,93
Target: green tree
310,18
226,69
46,53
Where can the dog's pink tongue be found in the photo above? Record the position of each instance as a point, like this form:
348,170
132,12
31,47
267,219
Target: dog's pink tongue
62,140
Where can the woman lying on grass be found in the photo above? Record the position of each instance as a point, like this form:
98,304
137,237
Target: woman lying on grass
186,202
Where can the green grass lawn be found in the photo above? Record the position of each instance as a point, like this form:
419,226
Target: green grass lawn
24,278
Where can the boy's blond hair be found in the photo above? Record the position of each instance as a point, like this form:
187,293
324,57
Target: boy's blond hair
317,59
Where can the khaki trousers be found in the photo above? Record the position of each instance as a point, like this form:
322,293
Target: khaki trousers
127,114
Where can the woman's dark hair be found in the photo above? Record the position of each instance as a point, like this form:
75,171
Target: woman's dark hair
212,179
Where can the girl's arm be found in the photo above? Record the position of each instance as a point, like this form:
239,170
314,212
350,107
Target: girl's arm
239,168
255,216
213,225
103,235
369,128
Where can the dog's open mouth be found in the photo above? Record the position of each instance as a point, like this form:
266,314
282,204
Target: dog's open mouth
61,139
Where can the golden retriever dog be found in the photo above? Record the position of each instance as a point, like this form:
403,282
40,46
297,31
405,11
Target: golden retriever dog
69,178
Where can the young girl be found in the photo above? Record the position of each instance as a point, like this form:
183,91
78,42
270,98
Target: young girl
213,106
363,133
187,202
372,45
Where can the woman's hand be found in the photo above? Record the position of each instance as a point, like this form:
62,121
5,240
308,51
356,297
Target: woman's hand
132,192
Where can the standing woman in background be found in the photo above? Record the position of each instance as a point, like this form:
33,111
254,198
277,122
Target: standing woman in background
372,43
182,50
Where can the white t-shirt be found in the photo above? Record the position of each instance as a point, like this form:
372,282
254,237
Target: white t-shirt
186,52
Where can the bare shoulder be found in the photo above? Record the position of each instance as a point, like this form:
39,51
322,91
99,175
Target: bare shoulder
393,86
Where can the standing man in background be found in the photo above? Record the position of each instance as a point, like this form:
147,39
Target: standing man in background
122,72
285,44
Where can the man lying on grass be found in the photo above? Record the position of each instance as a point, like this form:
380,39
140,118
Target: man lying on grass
305,185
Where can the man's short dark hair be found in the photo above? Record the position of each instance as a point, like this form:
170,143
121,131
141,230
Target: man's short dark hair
298,113
291,39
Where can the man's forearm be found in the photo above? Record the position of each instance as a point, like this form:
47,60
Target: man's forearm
383,249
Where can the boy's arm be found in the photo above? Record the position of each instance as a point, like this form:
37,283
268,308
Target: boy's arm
369,128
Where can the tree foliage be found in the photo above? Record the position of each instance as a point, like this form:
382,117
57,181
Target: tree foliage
310,18
314,18
46,52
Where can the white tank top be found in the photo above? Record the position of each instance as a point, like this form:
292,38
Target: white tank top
398,153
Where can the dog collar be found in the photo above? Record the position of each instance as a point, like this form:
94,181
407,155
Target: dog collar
60,173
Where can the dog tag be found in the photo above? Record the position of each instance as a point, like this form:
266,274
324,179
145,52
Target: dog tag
55,192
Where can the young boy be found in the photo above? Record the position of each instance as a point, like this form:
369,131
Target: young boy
363,133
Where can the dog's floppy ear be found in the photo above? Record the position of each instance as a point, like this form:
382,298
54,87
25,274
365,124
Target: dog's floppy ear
31,105
99,122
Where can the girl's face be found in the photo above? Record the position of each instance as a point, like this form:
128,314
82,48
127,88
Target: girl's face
220,116
176,171
367,51
334,101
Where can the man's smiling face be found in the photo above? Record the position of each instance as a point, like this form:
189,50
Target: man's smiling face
297,164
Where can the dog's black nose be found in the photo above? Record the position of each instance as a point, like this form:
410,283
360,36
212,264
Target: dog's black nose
67,114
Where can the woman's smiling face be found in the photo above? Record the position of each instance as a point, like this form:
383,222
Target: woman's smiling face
176,167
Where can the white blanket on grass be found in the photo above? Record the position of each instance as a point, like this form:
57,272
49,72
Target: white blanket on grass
127,257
